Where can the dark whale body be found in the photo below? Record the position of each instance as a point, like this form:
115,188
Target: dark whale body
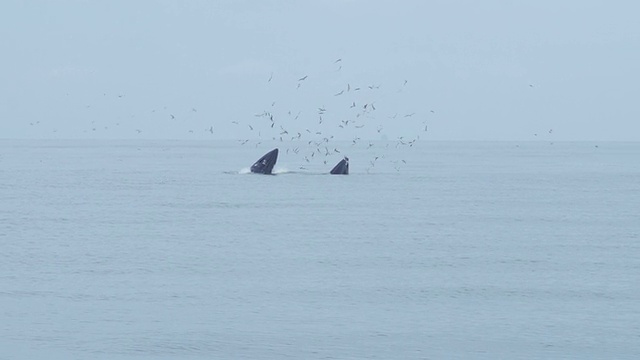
265,164
342,168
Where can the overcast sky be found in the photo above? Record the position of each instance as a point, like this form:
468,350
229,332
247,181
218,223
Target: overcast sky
443,70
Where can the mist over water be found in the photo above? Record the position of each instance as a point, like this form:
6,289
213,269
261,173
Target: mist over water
173,249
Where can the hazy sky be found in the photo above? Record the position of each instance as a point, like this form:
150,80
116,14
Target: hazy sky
467,70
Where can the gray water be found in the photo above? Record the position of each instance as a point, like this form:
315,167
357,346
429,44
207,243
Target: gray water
169,250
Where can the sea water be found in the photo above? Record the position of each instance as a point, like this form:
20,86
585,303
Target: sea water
172,250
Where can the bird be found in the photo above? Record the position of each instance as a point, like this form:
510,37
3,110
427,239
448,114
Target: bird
303,78
172,117
337,61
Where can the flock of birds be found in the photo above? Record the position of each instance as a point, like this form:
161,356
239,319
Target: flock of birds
317,136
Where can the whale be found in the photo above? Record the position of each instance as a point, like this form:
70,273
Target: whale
265,164
341,168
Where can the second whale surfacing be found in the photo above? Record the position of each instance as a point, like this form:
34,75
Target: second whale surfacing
265,164
342,168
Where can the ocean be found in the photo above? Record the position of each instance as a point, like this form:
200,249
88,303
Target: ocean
433,250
